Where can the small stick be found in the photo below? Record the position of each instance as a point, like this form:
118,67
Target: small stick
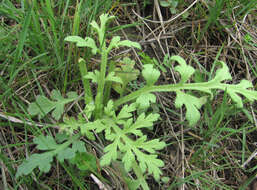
98,182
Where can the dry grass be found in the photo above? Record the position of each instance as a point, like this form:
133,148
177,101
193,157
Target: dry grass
218,153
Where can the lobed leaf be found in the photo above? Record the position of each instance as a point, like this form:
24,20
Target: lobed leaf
43,160
222,73
80,42
45,143
128,159
144,100
110,153
67,153
109,109
118,130
241,88
79,146
152,145
150,74
192,105
143,121
149,162
127,73
94,76
233,90
111,77
115,43
85,162
43,105
184,70
125,112
71,124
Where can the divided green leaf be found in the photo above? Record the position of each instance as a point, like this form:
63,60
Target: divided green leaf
127,73
45,143
43,105
222,73
241,88
119,128
111,77
43,160
232,89
144,100
80,42
192,104
71,124
115,43
94,76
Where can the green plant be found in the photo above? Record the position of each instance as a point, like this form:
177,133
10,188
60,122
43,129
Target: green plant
120,120
172,4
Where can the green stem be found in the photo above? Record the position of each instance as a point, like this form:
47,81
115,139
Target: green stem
204,87
140,175
101,82
108,85
83,71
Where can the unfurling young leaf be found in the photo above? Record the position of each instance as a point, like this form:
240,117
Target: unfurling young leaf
104,18
184,70
43,105
127,73
222,73
150,74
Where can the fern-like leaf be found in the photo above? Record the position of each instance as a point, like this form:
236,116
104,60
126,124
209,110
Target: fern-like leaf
119,130
43,160
43,105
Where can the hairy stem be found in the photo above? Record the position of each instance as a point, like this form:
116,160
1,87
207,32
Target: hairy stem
140,175
108,85
101,83
204,87
88,97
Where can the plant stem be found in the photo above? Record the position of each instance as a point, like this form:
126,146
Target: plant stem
88,97
108,83
140,175
204,87
101,82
